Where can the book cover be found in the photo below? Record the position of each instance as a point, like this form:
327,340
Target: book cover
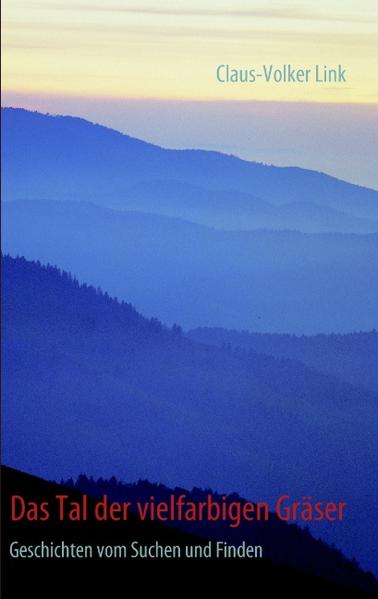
189,297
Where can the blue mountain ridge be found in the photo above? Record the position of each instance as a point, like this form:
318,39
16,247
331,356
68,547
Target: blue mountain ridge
56,157
352,357
91,386
262,281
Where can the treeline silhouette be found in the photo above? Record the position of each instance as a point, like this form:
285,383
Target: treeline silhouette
277,281
282,543
90,385
22,577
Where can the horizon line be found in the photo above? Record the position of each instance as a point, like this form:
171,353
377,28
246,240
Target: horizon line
105,97
73,116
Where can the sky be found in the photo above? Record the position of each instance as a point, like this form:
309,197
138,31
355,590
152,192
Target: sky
149,69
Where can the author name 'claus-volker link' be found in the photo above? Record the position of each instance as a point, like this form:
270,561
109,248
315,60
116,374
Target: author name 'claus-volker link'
175,509
286,73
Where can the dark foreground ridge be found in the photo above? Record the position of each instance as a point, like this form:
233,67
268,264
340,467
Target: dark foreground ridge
92,386
37,577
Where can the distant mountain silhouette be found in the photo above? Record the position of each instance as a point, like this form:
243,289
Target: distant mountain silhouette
66,158
353,358
181,272
319,567
90,385
235,210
